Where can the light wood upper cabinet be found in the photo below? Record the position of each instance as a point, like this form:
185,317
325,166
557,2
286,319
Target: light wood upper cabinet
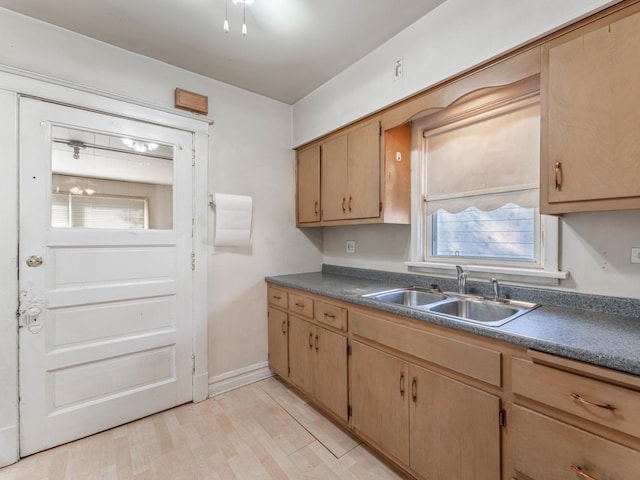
308,173
590,143
334,181
350,174
357,184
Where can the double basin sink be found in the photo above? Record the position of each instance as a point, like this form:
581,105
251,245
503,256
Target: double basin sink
467,308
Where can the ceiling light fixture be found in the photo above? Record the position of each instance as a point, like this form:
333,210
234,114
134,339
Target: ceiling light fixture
225,25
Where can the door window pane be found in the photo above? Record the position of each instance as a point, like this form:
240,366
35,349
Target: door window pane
108,181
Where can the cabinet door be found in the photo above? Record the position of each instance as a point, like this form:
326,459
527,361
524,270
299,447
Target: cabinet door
379,400
301,353
455,430
591,102
331,371
334,183
278,355
364,172
308,173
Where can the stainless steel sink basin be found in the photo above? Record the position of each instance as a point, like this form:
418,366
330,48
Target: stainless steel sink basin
409,296
482,311
456,306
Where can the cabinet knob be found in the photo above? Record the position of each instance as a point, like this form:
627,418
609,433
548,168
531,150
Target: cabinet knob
558,175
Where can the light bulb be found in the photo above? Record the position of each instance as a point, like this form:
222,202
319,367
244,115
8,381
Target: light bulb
226,26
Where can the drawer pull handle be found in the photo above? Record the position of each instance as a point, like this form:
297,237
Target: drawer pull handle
276,297
317,340
582,473
329,315
311,340
558,175
344,208
300,305
414,389
402,385
315,210
578,397
350,200
284,331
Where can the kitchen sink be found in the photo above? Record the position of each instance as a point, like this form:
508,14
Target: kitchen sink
466,308
479,310
409,296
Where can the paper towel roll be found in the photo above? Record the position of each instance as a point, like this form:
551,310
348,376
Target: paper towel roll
233,220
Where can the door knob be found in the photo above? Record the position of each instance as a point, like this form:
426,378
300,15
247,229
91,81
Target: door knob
34,261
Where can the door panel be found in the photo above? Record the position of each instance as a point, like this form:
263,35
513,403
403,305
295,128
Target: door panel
331,371
364,172
379,399
106,333
309,185
334,180
301,353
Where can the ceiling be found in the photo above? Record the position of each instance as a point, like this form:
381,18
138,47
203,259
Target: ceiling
292,46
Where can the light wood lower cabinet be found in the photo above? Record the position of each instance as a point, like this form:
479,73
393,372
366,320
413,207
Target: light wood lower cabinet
278,341
379,399
318,364
545,449
436,426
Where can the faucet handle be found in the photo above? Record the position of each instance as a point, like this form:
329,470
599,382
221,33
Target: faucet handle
496,289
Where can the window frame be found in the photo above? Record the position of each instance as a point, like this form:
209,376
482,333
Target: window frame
543,271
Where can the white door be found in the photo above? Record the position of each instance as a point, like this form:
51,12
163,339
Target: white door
105,272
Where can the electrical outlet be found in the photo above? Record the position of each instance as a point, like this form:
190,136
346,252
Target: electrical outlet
351,246
398,69
635,254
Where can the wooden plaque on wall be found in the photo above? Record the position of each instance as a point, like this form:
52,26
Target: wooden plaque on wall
191,101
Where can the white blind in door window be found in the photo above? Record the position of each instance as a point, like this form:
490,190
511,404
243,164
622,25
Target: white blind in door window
98,211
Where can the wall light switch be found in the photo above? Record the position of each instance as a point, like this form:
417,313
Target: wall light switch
635,254
351,246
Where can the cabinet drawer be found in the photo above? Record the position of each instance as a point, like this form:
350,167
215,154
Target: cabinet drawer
331,315
600,402
544,448
277,297
472,360
301,305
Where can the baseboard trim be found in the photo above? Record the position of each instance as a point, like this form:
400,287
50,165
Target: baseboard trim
238,378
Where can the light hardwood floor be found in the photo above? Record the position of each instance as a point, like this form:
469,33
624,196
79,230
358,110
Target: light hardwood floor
262,431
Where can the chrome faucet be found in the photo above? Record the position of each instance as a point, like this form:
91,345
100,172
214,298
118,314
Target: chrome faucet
496,289
462,280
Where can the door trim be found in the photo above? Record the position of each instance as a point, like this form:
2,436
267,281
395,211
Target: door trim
12,83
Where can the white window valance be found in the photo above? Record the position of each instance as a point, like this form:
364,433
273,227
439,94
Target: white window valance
485,161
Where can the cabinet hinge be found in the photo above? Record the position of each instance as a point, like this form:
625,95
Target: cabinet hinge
193,261
349,411
193,364
348,349
503,417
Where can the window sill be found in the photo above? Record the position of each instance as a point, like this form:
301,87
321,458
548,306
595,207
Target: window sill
513,274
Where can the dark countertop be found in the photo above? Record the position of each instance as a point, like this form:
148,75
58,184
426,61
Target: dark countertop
598,338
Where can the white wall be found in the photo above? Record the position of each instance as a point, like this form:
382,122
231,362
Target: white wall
454,37
249,153
595,248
